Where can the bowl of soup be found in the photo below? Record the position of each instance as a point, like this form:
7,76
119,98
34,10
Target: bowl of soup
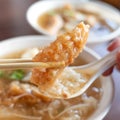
55,17
20,100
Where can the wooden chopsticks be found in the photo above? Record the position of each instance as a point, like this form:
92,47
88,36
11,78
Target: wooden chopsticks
27,64
15,60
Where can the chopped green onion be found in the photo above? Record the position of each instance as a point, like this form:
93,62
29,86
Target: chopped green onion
69,13
1,74
51,13
12,75
17,75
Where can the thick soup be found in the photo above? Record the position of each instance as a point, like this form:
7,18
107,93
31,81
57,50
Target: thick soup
20,100
64,18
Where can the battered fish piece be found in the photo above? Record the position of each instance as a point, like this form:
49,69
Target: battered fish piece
65,48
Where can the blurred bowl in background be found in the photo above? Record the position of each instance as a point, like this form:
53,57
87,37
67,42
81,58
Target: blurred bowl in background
97,34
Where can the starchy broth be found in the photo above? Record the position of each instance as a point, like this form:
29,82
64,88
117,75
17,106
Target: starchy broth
58,20
20,100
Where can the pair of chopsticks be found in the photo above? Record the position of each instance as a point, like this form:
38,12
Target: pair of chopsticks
27,64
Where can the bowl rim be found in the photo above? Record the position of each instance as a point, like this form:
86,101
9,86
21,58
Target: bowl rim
100,4
38,38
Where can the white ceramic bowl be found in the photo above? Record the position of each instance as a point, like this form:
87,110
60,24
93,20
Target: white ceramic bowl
19,43
105,10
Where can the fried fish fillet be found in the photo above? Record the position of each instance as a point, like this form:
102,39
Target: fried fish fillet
65,48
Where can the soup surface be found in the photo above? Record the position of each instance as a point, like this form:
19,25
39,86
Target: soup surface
20,100
64,18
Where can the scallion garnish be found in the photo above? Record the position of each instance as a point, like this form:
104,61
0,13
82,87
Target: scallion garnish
17,75
1,73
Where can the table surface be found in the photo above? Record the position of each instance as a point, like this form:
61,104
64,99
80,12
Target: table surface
13,23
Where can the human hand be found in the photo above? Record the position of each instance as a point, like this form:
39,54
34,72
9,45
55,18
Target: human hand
113,45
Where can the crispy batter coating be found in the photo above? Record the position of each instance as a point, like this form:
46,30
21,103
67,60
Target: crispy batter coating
65,48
